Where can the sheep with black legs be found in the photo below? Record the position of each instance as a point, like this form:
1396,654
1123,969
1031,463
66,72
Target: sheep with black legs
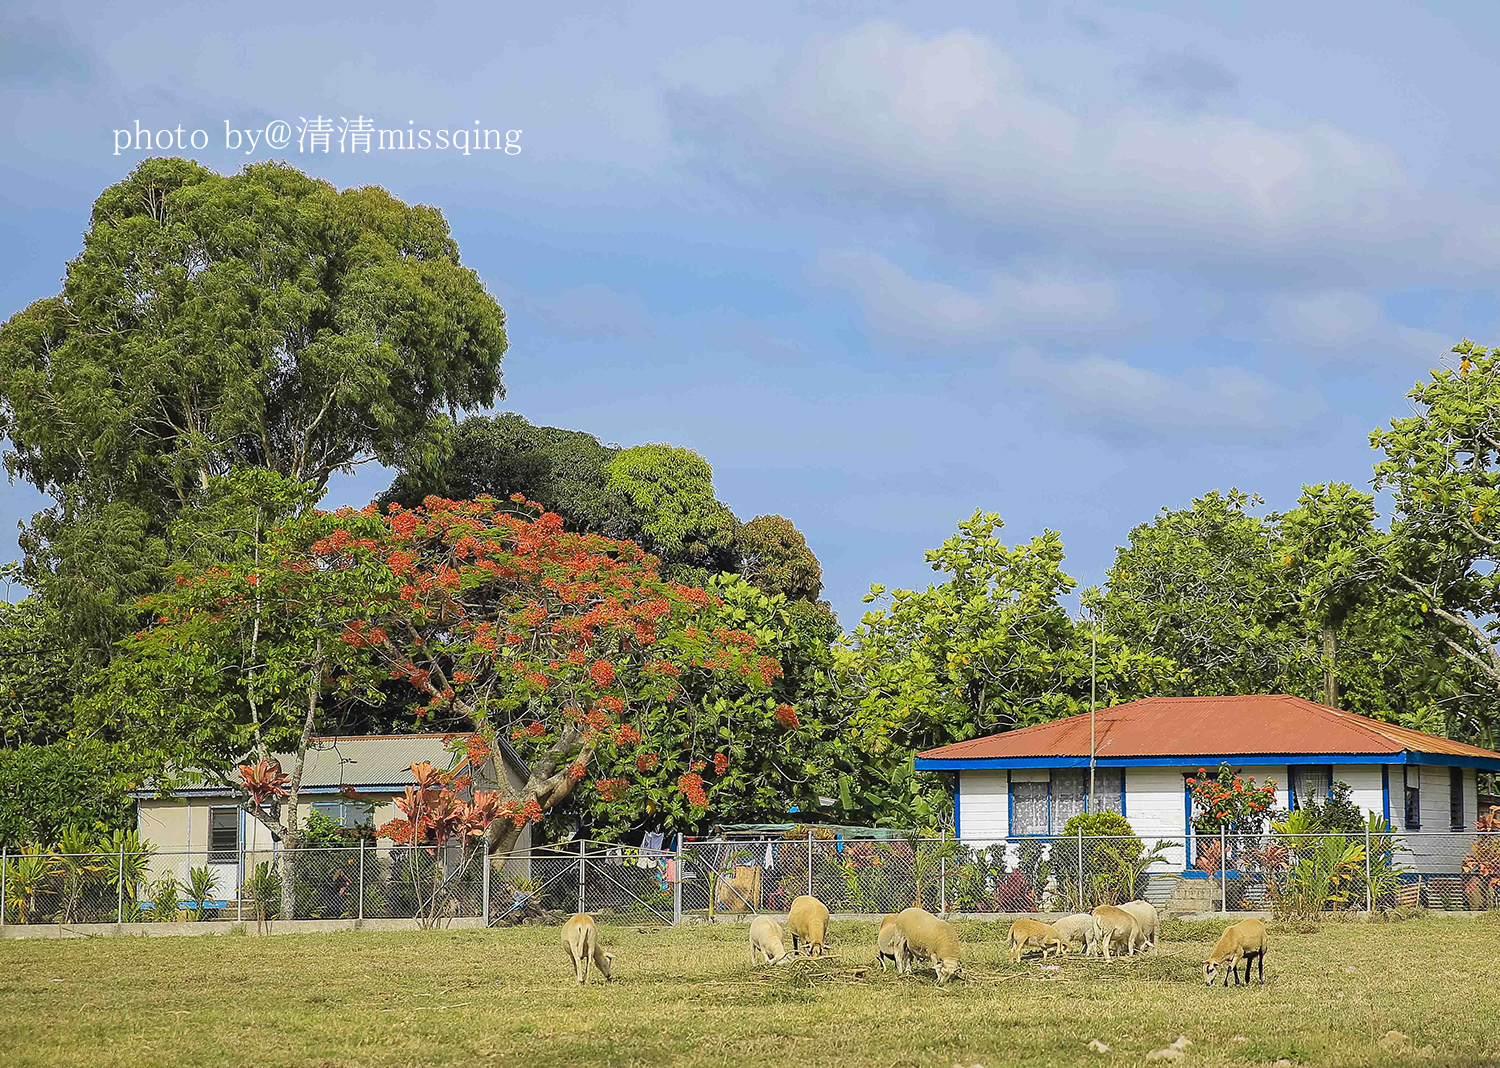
1244,941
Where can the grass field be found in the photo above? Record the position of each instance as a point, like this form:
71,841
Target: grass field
689,996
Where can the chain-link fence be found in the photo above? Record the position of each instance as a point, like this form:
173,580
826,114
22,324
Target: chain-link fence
709,879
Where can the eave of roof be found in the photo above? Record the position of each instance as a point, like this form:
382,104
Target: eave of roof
1249,730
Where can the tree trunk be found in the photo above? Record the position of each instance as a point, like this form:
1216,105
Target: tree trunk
1330,673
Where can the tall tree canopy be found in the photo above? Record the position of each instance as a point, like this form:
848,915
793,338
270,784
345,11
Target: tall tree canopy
988,649
264,319
671,493
1443,466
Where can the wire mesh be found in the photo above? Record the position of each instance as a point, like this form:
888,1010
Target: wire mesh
1283,874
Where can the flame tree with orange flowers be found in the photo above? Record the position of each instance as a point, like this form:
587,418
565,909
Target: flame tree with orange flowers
571,646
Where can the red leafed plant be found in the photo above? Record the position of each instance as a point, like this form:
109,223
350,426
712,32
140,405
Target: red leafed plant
264,780
1482,862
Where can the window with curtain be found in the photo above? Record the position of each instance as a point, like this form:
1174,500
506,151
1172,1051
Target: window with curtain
1304,780
1070,787
1411,779
1028,801
1109,790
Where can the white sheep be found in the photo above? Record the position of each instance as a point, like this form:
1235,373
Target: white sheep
885,942
1078,928
1244,941
581,939
1025,932
807,921
766,943
1112,925
1146,916
920,934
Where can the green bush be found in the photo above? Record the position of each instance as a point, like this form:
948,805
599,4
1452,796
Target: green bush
1098,824
46,788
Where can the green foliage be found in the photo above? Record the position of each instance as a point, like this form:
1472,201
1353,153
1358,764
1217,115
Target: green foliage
166,898
988,649
1097,823
46,788
202,885
566,470
774,557
671,495
262,319
36,674
1336,813
1442,464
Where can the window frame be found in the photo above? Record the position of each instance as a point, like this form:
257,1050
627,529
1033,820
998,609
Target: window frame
1455,798
217,854
1010,790
1292,773
1411,799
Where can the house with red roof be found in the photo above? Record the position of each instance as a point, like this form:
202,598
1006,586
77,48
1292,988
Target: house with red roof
1028,782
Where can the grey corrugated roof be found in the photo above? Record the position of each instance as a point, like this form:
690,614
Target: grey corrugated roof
367,761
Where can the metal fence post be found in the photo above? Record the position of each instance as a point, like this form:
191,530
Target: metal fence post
361,889
1082,899
809,863
1223,868
583,847
4,864
484,895
677,884
120,886
1369,890
943,869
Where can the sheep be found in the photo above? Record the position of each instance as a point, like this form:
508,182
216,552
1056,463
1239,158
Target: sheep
1113,925
885,943
921,934
1079,928
1026,932
1145,915
1245,941
766,941
581,939
808,922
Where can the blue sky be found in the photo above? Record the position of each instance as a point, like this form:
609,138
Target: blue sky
881,264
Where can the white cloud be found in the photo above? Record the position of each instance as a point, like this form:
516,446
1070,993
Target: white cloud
1348,323
954,123
1115,397
1012,306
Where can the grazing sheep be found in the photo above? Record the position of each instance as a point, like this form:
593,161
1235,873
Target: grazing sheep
581,939
1146,916
808,922
1079,928
1113,925
1024,933
885,944
921,934
766,943
1245,941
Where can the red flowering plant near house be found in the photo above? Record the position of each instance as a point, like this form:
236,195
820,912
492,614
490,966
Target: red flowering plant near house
1229,809
570,647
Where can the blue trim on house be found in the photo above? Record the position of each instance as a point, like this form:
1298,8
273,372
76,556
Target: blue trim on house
1122,793
1206,760
1049,806
1385,792
958,793
1010,808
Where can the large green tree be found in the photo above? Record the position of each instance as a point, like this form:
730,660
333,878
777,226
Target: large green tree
989,648
36,676
1442,464
263,319
671,495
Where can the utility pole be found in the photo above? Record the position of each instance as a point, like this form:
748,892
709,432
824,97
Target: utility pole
1093,701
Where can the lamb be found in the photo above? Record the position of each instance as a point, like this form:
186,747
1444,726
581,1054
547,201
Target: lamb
1145,915
1026,932
1079,928
885,944
1111,925
921,934
766,941
808,922
1245,941
581,939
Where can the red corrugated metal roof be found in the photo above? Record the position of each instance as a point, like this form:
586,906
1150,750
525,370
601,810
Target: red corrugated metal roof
1208,726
